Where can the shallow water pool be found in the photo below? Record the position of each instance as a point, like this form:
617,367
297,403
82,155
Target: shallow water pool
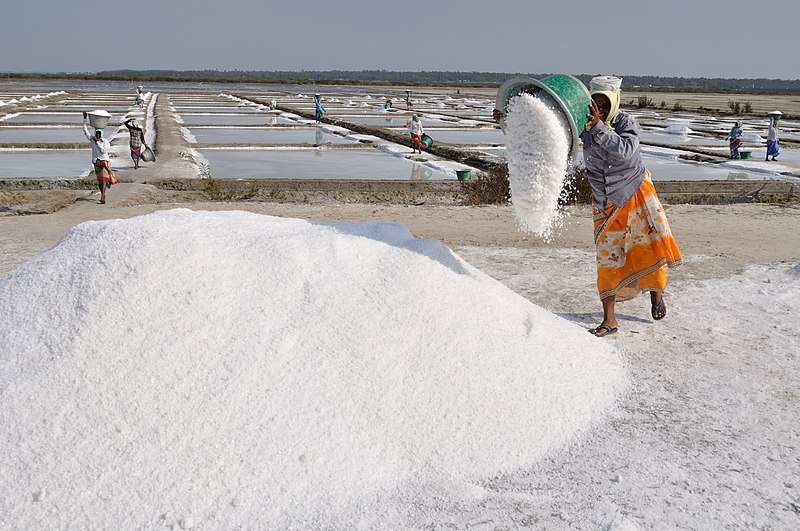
467,136
235,119
53,118
680,140
315,164
670,169
44,163
259,135
389,120
34,135
231,109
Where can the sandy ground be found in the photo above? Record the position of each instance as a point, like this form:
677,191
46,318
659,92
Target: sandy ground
733,235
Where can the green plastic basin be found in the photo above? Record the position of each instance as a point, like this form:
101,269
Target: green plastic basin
566,94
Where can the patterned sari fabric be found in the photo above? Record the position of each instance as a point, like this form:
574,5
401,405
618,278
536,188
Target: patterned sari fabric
634,244
104,173
417,141
735,144
772,148
136,144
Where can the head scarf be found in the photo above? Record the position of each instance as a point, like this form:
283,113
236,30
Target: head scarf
608,86
96,131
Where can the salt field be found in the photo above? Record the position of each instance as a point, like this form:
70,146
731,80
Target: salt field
246,117
312,164
43,134
43,163
255,118
73,118
468,136
264,135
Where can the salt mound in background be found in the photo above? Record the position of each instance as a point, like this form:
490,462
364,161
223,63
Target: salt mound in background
537,151
232,369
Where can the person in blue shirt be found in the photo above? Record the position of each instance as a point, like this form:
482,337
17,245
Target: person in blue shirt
735,137
318,108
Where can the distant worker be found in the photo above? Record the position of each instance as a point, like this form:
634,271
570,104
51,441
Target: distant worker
318,108
388,104
497,116
773,150
137,141
100,159
408,100
416,130
139,97
735,137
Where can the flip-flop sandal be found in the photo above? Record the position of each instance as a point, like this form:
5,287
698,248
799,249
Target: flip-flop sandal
659,311
608,330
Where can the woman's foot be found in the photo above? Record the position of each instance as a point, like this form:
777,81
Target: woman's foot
658,309
603,330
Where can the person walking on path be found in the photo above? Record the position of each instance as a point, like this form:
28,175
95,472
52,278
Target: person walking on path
735,137
100,159
318,108
773,150
136,142
139,97
416,130
632,236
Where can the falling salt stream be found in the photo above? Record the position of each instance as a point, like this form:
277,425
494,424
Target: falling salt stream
537,151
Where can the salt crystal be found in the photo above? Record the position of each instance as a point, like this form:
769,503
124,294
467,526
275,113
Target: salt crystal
537,150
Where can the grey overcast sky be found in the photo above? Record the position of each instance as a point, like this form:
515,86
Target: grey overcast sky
689,38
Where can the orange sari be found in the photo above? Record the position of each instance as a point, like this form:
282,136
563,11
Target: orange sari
634,244
103,171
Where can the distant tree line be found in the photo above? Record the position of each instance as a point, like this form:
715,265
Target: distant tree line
390,77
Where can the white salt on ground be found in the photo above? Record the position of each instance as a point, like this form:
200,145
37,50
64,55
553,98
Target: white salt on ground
226,369
537,151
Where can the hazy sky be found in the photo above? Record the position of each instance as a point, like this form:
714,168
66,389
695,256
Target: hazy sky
711,38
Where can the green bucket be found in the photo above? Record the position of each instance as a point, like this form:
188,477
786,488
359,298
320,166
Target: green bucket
565,93
745,154
462,175
426,140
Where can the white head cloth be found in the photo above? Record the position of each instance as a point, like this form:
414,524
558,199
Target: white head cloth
605,83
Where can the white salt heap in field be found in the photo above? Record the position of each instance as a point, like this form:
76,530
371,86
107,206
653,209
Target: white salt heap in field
537,151
216,370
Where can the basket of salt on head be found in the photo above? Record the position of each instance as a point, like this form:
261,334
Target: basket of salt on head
98,119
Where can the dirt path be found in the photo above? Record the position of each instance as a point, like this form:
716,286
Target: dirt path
731,235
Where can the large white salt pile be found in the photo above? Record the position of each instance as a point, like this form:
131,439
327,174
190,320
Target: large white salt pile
537,151
227,369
